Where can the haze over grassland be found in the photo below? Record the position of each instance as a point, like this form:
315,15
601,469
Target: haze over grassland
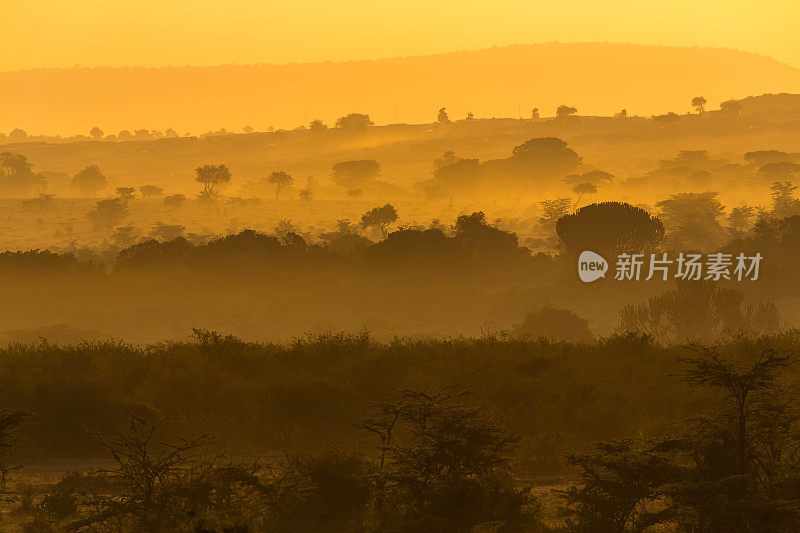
598,78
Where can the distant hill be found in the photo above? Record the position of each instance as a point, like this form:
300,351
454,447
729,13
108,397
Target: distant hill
597,78
780,105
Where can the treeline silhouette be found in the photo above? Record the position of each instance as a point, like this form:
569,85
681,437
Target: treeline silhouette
451,435
285,283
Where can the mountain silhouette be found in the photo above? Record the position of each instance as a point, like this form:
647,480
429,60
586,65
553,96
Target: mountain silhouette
597,78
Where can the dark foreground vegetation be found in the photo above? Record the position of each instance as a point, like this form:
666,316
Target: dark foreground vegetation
342,433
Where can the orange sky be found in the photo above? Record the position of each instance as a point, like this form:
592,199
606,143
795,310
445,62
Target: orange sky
59,33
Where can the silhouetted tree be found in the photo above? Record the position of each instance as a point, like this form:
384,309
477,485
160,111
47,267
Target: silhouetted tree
620,488
583,188
148,191
742,452
442,117
10,421
96,133
759,158
354,122
305,194
739,219
107,214
124,236
692,220
89,181
486,243
17,177
458,175
438,462
151,473
355,194
355,174
167,232
565,111
594,177
699,103
281,180
784,204
126,193
732,107
379,218
345,238
552,211
317,126
544,156
213,178
610,228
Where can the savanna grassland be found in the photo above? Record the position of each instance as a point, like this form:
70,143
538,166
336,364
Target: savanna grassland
350,327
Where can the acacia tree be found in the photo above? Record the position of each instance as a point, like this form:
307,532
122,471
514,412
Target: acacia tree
124,236
619,487
442,461
699,103
149,472
167,232
565,111
126,193
213,178
583,188
732,469
379,218
594,177
744,450
552,211
149,191
281,180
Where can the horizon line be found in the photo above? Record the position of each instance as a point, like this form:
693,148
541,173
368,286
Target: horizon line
78,66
